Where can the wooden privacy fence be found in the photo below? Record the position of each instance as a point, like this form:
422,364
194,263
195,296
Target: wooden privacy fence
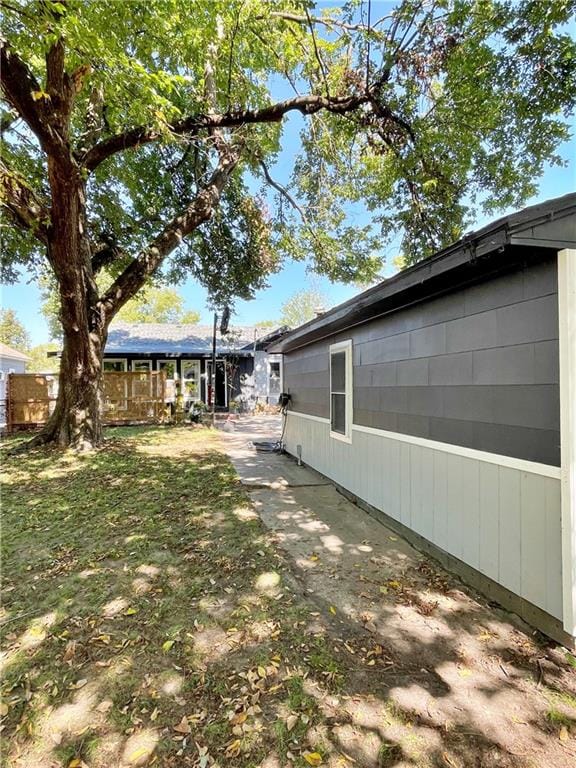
134,396
128,397
30,399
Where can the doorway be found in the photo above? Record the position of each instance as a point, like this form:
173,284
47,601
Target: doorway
220,384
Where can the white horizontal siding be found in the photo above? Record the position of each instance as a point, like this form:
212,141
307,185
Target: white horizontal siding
501,520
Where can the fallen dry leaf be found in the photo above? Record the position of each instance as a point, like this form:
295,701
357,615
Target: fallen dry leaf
70,650
291,721
312,758
183,726
233,749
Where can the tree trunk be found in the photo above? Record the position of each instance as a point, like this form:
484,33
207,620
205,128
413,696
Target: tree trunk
76,421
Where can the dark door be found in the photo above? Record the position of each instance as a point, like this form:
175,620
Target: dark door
219,384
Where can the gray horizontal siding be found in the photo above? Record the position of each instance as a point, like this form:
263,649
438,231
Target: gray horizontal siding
478,368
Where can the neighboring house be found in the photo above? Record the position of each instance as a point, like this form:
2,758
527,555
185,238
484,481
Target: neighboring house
11,361
444,399
245,372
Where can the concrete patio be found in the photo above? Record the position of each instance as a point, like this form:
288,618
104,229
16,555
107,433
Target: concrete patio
456,660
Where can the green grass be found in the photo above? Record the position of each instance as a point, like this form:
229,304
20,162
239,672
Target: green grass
131,602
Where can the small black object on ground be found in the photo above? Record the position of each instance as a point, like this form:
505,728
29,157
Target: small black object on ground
268,446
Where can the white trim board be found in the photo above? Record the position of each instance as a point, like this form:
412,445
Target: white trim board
567,341
523,465
321,419
348,394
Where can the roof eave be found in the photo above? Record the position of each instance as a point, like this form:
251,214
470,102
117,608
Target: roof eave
517,229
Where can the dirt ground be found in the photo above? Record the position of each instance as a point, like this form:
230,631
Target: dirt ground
157,611
435,674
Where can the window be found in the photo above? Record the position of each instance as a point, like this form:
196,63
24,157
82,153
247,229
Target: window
274,380
115,365
142,365
169,367
191,379
341,391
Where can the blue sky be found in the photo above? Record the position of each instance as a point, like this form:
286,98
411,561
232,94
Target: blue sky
24,297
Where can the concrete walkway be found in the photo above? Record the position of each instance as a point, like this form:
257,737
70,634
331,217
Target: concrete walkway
456,660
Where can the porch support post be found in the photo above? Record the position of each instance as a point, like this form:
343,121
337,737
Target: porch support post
567,342
213,372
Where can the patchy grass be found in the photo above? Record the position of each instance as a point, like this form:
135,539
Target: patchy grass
147,617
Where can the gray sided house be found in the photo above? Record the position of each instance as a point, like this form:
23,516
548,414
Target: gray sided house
444,400
245,372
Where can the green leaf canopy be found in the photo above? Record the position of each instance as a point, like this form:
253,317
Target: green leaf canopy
407,124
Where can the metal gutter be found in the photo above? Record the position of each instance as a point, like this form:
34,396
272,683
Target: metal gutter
477,255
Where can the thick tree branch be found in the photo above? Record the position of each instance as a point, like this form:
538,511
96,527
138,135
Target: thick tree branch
307,104
24,94
105,253
23,204
144,265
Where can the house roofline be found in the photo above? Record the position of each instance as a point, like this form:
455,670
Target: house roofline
10,353
467,260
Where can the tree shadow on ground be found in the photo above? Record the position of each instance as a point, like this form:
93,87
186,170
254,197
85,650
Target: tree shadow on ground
149,616
477,683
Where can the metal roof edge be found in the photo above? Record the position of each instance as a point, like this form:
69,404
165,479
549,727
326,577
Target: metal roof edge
471,248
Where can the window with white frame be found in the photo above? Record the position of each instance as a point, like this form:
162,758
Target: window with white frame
170,367
191,379
274,379
341,390
142,365
114,365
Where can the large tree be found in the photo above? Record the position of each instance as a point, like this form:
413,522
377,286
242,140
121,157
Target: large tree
141,137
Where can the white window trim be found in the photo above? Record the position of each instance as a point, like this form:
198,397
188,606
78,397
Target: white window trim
274,359
343,346
136,362
160,363
198,364
122,360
